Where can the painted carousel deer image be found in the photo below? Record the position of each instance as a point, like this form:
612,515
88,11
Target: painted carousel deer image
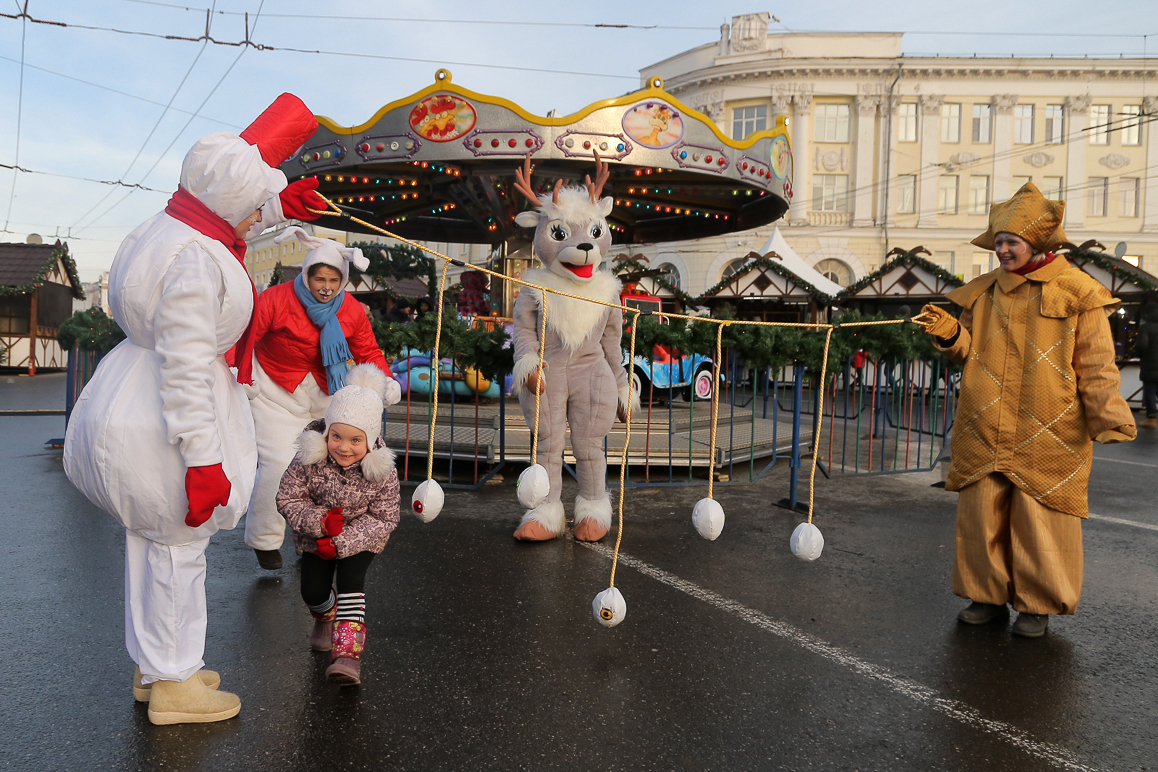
580,378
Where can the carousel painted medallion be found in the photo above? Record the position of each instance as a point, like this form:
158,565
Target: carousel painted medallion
442,117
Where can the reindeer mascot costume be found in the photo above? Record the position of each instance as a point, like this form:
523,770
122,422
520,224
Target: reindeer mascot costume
582,382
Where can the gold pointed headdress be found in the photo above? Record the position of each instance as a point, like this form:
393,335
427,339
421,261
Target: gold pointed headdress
1029,215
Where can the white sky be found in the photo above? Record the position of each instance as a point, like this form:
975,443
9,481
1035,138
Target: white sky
90,99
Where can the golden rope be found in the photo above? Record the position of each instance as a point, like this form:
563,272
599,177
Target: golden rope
542,375
819,422
715,407
435,362
623,455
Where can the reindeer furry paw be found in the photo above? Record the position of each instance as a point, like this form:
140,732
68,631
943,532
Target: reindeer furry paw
592,518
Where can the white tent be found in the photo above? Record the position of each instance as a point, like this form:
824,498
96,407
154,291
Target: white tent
794,263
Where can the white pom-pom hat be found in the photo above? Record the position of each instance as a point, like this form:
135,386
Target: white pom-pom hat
357,404
708,518
325,252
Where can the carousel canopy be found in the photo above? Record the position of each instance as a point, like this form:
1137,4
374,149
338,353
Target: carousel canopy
439,166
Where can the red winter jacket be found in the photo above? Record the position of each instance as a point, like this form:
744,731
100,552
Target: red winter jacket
287,341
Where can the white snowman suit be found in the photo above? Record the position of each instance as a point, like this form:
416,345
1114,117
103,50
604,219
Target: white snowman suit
164,401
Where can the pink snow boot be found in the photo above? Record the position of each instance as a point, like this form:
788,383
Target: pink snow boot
322,634
349,639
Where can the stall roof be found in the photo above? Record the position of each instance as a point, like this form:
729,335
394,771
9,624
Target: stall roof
908,275
1115,274
24,267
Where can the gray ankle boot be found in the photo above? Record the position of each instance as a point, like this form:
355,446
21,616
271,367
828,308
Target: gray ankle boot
981,613
1031,625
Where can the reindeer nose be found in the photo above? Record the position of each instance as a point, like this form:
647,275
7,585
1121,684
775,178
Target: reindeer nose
585,247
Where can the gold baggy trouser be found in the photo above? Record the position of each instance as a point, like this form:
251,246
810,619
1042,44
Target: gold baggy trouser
1011,549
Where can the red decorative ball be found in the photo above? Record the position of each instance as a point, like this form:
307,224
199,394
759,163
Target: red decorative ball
586,144
512,142
494,143
530,142
380,147
478,143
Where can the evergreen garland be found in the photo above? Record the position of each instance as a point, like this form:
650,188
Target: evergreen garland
1106,264
909,260
776,267
396,262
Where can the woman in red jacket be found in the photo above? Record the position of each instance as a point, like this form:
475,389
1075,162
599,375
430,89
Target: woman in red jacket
306,332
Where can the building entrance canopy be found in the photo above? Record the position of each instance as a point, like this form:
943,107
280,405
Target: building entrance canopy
439,166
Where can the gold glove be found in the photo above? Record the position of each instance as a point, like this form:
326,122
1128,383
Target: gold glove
937,321
1121,434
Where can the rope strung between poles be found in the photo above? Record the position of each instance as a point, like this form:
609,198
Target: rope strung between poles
623,458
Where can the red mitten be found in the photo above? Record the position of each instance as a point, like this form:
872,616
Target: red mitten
326,549
299,197
332,522
206,487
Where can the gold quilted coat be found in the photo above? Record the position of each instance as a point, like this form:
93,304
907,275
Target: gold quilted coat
1039,382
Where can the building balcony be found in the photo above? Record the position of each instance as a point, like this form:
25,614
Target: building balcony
829,218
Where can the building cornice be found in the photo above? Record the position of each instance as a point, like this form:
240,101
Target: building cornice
915,69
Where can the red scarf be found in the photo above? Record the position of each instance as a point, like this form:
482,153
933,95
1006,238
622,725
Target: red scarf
184,207
1029,268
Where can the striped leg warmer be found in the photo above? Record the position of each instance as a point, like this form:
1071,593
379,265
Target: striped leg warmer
351,607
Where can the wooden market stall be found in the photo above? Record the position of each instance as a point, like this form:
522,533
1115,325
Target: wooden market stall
37,285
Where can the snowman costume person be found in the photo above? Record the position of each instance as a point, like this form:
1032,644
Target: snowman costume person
304,333
162,437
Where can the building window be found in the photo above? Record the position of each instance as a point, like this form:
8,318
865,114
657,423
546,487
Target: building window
1132,125
1097,196
1023,125
943,259
1018,181
906,194
1100,125
982,123
979,194
907,122
947,194
832,123
836,271
746,120
1054,124
982,264
669,273
14,314
1128,190
950,123
731,268
830,192
1051,188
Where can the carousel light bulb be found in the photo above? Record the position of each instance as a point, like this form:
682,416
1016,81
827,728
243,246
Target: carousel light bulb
427,500
609,607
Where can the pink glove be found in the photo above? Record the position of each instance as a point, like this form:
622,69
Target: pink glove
332,522
206,487
326,549
298,196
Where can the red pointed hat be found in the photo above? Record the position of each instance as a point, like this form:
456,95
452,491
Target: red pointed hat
281,129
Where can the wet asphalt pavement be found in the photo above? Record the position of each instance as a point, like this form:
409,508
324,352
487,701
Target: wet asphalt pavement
483,655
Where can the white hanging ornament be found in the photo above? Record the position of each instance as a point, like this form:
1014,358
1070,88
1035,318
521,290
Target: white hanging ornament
609,607
533,486
708,518
806,542
427,500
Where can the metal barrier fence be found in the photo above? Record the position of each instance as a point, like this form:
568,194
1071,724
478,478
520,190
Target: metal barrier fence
881,417
81,366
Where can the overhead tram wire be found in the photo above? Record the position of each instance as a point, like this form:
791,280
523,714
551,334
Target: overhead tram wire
176,137
152,131
19,117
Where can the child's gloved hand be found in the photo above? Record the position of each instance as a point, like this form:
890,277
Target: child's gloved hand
326,549
332,522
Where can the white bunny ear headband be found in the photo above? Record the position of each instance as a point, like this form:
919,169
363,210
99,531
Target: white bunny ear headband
327,251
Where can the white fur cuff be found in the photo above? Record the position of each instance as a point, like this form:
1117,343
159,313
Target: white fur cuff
549,514
628,395
522,370
598,510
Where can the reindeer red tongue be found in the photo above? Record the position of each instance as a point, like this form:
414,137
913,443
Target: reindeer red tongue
583,271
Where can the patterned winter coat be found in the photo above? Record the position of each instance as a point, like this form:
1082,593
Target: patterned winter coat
367,492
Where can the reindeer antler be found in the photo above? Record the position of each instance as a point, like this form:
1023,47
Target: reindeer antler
523,181
601,176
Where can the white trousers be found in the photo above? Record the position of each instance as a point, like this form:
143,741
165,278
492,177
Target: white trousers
279,417
165,612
